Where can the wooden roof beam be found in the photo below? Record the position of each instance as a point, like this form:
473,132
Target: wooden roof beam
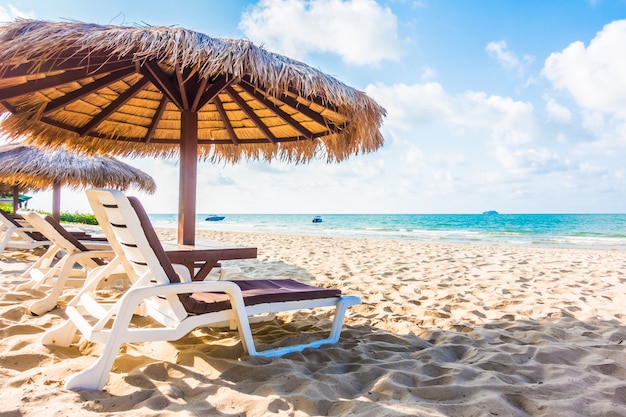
87,89
116,104
251,114
198,95
217,86
90,65
277,110
181,87
224,117
302,108
50,82
317,100
155,120
8,106
60,125
163,82
314,99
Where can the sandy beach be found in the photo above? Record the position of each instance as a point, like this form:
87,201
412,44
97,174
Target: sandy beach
444,330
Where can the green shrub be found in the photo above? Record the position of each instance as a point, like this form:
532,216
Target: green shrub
81,218
65,216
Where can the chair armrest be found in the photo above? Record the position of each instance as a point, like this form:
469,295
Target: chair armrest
92,254
183,272
138,294
96,245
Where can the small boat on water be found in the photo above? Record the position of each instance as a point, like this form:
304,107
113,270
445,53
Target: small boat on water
214,218
317,219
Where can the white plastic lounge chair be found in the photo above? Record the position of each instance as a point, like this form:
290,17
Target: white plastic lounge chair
171,298
78,257
15,234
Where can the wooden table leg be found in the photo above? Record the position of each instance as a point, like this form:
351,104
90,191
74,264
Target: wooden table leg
206,267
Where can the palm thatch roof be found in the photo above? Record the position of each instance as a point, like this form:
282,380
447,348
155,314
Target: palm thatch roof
125,90
31,168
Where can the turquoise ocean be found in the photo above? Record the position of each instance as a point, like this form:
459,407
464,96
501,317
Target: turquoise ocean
595,231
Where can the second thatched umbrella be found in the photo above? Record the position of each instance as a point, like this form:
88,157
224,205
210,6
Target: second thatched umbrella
166,91
25,167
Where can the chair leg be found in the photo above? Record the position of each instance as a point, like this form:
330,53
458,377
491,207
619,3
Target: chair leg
44,305
49,302
94,377
62,335
5,240
37,276
37,279
44,261
340,312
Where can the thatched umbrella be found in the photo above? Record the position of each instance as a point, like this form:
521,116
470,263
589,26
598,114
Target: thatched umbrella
166,91
25,167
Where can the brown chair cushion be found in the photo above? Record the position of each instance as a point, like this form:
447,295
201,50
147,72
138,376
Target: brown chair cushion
259,292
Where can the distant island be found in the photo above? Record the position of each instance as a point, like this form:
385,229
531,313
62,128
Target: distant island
490,212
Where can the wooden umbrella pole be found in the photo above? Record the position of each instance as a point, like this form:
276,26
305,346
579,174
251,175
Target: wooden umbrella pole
187,180
56,200
16,198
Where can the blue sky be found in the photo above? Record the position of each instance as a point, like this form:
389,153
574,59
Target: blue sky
515,106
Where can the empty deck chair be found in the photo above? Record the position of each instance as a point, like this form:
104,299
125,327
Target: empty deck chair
15,234
168,295
77,258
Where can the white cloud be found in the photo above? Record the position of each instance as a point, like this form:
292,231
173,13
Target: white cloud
362,32
9,13
506,120
522,162
410,104
557,112
593,121
427,73
499,51
595,76
413,155
450,159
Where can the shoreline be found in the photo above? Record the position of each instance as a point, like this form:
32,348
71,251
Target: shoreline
444,329
170,234
553,230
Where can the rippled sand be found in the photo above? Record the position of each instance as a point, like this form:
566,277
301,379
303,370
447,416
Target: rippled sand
444,330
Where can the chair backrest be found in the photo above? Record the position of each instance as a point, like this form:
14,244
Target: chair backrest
132,237
18,221
57,234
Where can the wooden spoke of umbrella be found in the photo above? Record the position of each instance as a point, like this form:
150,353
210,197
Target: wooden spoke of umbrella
93,87
155,120
66,77
229,127
251,114
113,106
277,111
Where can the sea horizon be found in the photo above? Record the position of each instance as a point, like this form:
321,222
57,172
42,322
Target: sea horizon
568,230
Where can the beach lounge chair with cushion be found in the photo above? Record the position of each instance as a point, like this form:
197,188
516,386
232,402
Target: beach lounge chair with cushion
77,258
16,234
169,296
